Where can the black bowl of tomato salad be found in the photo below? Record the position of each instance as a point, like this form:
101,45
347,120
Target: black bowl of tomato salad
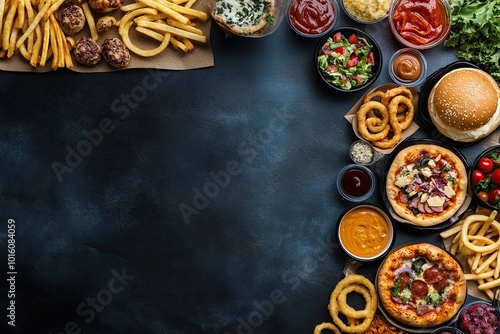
348,59
484,178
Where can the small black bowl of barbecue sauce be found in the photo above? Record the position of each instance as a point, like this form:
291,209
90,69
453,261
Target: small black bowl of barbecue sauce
356,182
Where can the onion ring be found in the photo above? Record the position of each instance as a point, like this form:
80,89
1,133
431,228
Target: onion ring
362,126
335,301
326,325
394,107
388,142
395,92
377,96
346,309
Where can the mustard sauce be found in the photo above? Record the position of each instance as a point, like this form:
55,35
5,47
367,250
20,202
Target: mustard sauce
407,67
364,232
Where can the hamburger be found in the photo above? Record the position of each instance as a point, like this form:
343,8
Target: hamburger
244,17
464,105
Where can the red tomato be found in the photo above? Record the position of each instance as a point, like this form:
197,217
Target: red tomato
352,62
477,176
337,38
485,164
495,177
353,39
339,50
494,195
483,196
370,58
331,68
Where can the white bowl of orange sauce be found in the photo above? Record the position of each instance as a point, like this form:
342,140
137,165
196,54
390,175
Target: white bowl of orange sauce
365,232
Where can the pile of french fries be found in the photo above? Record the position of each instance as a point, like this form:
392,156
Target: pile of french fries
476,237
166,21
31,27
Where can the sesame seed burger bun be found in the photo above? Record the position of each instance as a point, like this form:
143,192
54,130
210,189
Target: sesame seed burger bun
464,105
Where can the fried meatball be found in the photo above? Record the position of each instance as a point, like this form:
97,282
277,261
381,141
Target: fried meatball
72,19
104,23
115,52
87,51
72,2
105,6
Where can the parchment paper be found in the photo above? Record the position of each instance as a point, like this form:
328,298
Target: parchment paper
351,115
170,59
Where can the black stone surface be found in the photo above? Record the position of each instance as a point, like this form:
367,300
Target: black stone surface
199,201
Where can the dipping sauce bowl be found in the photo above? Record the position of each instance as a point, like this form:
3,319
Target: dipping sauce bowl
408,67
356,182
312,18
365,232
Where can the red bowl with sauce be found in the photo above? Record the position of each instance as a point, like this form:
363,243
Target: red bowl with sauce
312,18
356,183
433,16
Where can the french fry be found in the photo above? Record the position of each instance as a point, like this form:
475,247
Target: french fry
2,9
183,26
37,46
164,9
8,25
134,13
19,23
45,43
55,6
483,275
33,24
165,28
185,10
151,33
90,21
142,52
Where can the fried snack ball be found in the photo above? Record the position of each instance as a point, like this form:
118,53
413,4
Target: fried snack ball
87,51
115,52
104,23
72,19
105,6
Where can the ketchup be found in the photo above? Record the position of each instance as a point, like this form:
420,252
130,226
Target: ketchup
356,182
312,16
418,21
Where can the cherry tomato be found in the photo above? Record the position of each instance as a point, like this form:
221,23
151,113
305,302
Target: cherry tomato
353,39
353,61
370,59
337,38
494,196
495,177
485,164
477,176
483,196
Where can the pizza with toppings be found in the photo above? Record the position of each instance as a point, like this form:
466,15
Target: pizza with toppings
421,285
244,17
426,184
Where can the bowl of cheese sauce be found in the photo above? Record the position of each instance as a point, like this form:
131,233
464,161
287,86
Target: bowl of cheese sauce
365,232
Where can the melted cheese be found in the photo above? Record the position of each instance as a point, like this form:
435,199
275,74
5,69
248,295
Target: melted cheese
242,13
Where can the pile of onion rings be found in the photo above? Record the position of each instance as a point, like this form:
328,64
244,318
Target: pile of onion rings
358,320
383,116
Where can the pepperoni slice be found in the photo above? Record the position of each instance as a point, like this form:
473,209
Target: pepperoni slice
419,289
441,284
404,279
433,274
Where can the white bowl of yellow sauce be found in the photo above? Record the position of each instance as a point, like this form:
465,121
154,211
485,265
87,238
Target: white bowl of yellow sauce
365,232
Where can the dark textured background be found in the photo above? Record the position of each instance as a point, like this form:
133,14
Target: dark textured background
257,255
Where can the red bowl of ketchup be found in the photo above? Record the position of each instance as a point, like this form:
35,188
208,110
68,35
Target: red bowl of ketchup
420,24
312,18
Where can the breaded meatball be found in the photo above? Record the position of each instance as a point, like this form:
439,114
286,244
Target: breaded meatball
72,2
72,19
105,6
115,52
104,23
87,51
